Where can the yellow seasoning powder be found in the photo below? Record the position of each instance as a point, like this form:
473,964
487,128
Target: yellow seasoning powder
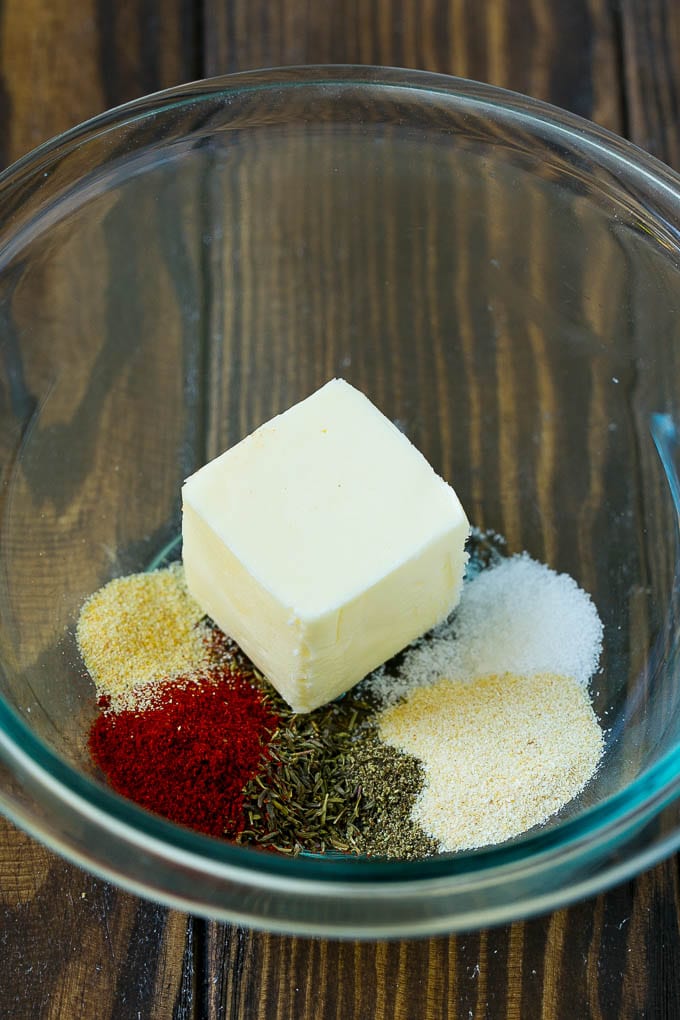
501,753
140,629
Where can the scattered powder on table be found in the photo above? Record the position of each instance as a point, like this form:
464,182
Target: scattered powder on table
139,630
501,753
517,616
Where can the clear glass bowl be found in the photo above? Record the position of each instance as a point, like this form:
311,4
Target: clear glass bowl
500,277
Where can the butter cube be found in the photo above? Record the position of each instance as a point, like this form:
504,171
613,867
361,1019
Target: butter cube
323,543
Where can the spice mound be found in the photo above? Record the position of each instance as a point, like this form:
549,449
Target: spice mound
329,784
479,731
188,754
139,630
497,754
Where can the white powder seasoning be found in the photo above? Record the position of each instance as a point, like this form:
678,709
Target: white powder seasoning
501,753
495,705
518,617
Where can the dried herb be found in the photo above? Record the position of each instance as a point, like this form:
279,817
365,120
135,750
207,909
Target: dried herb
389,782
303,799
329,785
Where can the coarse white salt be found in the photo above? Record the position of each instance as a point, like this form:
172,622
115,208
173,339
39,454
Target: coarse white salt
518,617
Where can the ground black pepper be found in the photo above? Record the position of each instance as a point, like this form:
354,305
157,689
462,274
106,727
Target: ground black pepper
389,781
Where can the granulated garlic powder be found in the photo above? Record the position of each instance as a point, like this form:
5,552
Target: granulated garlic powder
140,629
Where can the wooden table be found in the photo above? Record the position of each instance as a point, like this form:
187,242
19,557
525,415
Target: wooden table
75,947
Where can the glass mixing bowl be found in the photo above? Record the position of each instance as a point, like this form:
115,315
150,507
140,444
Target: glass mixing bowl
500,277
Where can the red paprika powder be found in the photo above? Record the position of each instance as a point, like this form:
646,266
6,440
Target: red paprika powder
189,756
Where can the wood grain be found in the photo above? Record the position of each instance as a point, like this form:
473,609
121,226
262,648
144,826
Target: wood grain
651,46
588,961
72,945
62,63
566,54
600,959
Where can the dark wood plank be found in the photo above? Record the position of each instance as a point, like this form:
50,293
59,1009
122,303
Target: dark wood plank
566,54
601,958
651,47
61,63
569,56
73,945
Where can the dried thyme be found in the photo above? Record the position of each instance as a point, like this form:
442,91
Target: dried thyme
303,799
330,785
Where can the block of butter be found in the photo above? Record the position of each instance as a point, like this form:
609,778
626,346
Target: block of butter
323,543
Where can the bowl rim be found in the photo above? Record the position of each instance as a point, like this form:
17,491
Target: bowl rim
370,76
623,811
